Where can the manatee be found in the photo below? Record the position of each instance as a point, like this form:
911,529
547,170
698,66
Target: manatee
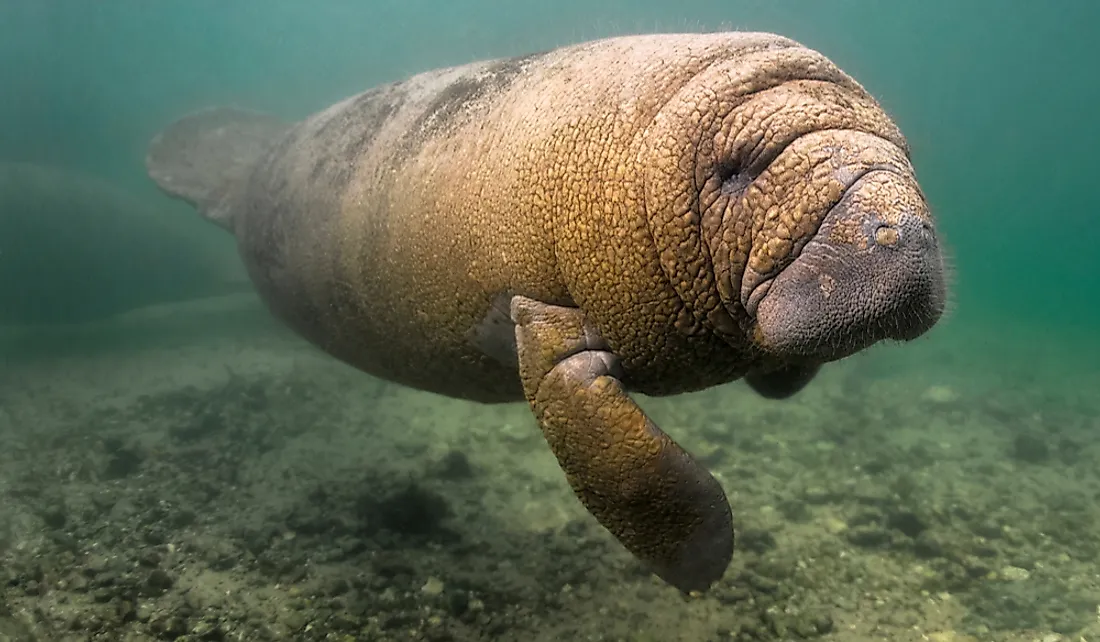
638,215
75,248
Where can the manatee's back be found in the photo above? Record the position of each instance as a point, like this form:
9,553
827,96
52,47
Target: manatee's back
391,228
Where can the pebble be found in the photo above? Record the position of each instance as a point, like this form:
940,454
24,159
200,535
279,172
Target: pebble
1015,573
432,587
835,526
338,586
940,395
294,620
949,636
95,564
159,580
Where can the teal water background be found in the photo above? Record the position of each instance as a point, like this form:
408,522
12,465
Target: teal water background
998,98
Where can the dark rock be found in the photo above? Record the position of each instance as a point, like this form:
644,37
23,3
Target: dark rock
183,518
158,581
795,511
751,631
125,611
104,501
206,424
907,522
109,577
865,517
154,536
338,586
823,624
410,511
804,627
989,530
458,602
439,635
920,456
1069,451
64,541
778,569
78,583
905,486
312,519
352,547
194,601
168,626
294,621
455,466
219,554
122,463
928,546
877,466
1030,448
258,540
85,621
976,568
757,540
762,584
149,558
55,516
391,567
398,620
95,564
777,622
732,594
869,537
342,622
295,573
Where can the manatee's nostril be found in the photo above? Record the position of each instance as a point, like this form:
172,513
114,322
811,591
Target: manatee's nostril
886,236
927,234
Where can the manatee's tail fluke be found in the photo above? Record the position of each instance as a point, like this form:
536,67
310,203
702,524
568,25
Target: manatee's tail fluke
199,157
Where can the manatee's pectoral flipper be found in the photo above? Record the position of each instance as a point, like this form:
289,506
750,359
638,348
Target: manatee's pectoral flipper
661,504
783,382
198,157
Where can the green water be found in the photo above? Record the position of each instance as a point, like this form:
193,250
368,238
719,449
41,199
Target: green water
1000,101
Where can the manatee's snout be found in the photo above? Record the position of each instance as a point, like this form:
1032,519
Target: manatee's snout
873,271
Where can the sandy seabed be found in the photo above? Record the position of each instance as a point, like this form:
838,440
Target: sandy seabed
197,473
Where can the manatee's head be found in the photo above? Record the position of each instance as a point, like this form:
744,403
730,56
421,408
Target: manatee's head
791,197
872,270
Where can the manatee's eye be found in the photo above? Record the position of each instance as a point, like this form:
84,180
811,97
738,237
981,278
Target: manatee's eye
733,176
727,169
887,236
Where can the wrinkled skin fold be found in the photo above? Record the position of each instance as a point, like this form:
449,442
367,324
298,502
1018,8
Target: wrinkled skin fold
650,214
